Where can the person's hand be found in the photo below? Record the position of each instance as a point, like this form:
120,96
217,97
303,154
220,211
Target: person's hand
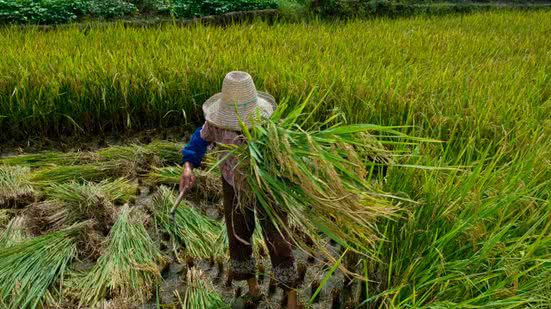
188,179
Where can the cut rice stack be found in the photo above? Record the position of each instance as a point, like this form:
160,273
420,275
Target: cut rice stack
15,186
196,232
128,267
14,233
64,173
319,176
199,294
29,268
49,158
208,184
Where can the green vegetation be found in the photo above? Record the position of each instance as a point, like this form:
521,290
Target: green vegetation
320,176
474,228
63,11
199,293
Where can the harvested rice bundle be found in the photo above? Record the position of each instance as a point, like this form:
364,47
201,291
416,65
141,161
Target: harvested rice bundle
86,172
318,176
15,186
199,293
168,152
73,202
117,191
128,267
208,184
86,201
65,173
49,158
134,159
198,234
29,268
14,233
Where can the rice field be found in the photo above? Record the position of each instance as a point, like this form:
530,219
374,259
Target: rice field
471,223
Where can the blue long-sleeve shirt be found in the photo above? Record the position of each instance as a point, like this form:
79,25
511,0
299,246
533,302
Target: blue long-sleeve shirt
195,149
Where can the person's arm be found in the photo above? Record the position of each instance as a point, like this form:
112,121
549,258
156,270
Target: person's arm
192,155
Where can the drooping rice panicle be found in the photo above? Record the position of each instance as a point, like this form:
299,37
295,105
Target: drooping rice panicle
128,267
318,176
49,158
15,232
15,186
29,268
199,294
197,233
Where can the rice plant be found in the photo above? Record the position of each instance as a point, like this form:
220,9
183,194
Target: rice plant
319,176
199,293
128,267
15,186
29,268
196,232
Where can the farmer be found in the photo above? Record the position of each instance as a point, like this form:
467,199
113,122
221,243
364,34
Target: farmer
239,101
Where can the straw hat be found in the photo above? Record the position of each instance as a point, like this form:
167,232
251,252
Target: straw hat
238,100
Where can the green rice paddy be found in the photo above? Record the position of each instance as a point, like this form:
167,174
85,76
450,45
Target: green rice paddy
474,222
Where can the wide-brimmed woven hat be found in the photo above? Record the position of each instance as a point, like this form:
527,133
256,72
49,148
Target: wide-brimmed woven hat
238,100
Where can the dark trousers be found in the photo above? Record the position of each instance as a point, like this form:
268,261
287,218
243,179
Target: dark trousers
240,224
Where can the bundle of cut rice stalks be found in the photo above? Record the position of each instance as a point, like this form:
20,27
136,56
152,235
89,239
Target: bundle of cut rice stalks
199,293
42,159
65,173
319,176
15,186
208,184
197,233
29,268
128,268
